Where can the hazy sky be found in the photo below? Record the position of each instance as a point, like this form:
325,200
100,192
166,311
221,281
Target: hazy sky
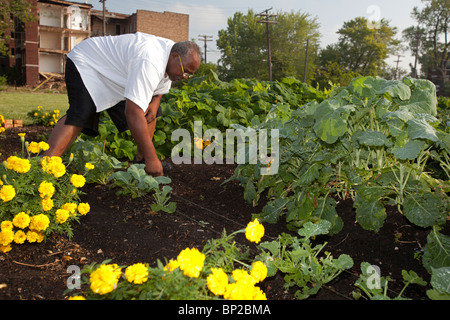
208,17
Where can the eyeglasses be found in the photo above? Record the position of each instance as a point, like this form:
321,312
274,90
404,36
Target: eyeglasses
185,74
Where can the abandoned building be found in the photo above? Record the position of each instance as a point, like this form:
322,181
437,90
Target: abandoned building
39,48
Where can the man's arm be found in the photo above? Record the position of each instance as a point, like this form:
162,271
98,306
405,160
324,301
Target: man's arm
138,126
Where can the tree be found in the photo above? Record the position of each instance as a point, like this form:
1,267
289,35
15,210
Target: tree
11,10
434,18
243,46
415,36
361,48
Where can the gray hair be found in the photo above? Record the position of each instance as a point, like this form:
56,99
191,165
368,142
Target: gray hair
186,48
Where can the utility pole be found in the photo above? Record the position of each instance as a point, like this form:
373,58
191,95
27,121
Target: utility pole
205,40
306,60
267,15
104,20
396,68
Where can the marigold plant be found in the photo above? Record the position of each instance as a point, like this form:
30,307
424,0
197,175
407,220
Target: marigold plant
37,196
222,270
40,116
2,123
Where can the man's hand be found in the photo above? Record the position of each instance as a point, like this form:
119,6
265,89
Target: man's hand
154,168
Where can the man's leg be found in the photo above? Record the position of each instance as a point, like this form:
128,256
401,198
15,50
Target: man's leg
61,138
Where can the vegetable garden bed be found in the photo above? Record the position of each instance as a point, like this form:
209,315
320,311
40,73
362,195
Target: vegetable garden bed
127,231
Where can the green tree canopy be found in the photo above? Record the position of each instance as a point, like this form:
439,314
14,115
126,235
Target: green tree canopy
10,9
243,46
434,19
362,47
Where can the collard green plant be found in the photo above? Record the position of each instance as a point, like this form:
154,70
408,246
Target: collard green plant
303,264
372,141
375,287
137,183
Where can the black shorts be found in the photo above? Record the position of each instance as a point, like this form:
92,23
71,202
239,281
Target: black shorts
82,111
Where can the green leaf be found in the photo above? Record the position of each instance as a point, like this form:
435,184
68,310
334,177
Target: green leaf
309,176
310,229
344,262
420,129
437,251
330,128
396,89
273,210
370,213
440,279
372,138
424,210
410,151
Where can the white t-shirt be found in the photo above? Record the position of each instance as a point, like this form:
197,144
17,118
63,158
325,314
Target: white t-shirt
129,66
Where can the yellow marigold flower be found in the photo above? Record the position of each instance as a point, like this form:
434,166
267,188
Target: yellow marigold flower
53,165
47,204
46,189
217,281
243,290
77,180
258,294
84,208
32,236
6,225
89,166
34,147
22,134
254,231
259,271
137,273
70,206
20,237
43,146
77,298
240,275
21,220
39,222
62,215
17,164
5,249
191,261
239,291
104,279
6,237
172,265
7,193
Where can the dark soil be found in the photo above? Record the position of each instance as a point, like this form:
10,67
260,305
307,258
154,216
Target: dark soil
127,231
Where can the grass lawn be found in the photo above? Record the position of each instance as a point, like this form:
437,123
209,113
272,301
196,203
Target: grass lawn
15,104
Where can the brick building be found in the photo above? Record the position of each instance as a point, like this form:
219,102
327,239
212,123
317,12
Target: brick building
40,48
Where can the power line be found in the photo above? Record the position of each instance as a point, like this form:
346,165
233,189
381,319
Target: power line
267,15
205,40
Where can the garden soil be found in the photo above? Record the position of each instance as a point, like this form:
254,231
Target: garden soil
127,231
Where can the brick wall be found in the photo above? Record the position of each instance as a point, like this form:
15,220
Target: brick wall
174,26
30,59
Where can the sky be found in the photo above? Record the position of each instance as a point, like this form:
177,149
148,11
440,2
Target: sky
208,17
